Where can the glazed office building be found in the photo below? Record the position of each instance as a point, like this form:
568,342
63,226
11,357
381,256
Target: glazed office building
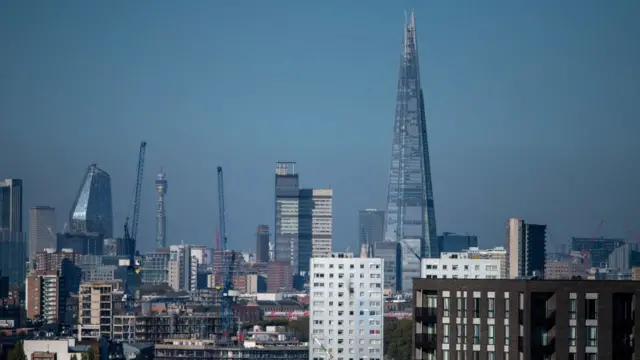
526,319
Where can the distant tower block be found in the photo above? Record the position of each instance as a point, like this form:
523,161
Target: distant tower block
161,213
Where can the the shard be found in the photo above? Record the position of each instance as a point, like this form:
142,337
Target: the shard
92,211
410,217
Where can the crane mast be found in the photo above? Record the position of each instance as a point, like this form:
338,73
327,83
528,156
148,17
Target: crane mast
227,264
130,240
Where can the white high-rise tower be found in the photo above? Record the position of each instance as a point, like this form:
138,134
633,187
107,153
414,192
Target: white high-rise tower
161,214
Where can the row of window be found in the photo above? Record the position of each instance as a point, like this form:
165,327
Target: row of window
465,267
372,294
372,322
342,303
341,266
491,355
375,275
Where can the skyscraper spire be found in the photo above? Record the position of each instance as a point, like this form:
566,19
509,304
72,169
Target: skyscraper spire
410,216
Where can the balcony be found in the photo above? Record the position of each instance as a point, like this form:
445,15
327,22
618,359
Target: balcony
426,315
426,341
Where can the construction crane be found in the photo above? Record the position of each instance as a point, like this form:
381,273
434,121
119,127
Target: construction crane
324,348
227,265
133,270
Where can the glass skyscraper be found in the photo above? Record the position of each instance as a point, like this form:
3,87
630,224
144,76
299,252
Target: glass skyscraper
410,216
92,211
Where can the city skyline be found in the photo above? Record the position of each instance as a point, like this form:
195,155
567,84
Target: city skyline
495,134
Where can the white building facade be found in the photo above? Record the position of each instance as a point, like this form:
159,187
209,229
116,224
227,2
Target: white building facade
346,308
471,264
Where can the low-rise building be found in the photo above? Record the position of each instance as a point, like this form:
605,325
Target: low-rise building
473,263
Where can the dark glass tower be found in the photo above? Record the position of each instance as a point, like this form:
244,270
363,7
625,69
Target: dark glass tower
91,211
410,216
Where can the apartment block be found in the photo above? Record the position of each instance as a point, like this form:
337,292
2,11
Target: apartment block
97,303
43,296
346,308
519,319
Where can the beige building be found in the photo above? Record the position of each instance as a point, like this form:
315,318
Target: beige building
43,296
59,348
97,303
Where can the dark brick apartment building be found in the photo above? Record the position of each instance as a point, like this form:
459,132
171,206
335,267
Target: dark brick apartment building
463,319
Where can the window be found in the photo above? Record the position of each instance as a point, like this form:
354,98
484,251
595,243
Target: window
475,355
590,356
445,354
506,355
464,307
476,334
491,307
592,336
507,307
476,307
459,301
445,334
459,334
491,355
591,309
492,334
573,308
445,307
572,336
506,335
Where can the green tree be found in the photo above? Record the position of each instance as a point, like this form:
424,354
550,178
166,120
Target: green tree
300,328
17,353
398,339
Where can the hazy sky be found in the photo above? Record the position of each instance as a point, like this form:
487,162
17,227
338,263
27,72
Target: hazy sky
533,108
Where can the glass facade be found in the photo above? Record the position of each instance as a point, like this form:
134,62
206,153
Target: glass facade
410,216
92,211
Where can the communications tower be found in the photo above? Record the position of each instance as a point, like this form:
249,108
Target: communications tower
161,214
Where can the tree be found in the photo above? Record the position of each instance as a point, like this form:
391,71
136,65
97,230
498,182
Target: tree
398,339
300,327
17,353
74,357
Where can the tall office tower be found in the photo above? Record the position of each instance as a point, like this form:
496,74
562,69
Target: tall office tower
315,226
410,216
42,230
526,244
346,307
370,226
262,243
11,205
161,214
91,211
286,213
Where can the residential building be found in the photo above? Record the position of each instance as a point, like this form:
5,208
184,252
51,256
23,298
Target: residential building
410,213
42,230
526,244
11,205
470,264
287,187
262,243
450,242
346,307
92,209
61,349
43,296
275,347
97,303
525,319
315,222
370,227
564,269
303,220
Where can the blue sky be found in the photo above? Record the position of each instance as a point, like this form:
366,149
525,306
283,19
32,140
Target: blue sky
532,108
